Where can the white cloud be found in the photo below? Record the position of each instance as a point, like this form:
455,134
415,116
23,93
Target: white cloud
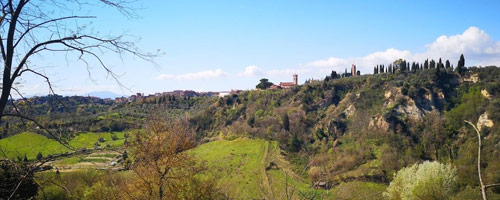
477,46
287,72
207,74
251,71
254,71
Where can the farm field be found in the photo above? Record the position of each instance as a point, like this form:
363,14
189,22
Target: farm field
30,144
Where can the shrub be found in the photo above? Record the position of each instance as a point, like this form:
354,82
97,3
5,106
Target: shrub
429,180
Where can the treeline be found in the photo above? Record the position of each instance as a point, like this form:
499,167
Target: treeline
402,66
69,115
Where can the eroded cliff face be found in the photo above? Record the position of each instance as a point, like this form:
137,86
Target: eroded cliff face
484,121
396,108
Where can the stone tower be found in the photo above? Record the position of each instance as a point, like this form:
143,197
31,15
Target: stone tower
295,79
353,70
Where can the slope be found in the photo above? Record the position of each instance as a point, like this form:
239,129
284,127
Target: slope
244,170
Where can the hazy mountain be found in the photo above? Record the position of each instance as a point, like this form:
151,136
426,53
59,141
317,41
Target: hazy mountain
103,94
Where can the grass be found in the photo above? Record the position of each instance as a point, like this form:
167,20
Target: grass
97,160
107,155
238,162
75,159
87,140
241,164
358,190
30,144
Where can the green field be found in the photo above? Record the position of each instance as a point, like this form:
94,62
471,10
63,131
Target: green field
30,144
240,166
87,140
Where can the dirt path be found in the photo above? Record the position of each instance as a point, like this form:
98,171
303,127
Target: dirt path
266,187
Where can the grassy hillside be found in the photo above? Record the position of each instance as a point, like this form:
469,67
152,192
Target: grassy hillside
244,169
366,128
87,140
239,163
30,144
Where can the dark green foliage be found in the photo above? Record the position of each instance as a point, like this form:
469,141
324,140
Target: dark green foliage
251,121
461,65
333,75
432,64
295,144
286,122
13,174
39,156
471,105
125,155
264,84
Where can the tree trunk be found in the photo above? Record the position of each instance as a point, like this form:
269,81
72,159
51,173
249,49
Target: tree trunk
483,188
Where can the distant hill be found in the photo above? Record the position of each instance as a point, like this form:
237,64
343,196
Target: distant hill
103,94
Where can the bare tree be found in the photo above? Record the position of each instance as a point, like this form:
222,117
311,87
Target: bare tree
162,169
30,28
483,186
33,27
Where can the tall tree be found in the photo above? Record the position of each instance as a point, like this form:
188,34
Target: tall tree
286,122
461,65
333,75
448,65
264,84
432,64
440,64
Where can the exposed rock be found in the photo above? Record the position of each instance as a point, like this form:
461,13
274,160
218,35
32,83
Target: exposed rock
350,110
425,101
387,94
410,110
486,94
428,96
405,106
473,78
440,95
378,122
484,121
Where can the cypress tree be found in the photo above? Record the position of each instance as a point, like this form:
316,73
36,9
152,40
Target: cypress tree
432,64
286,122
39,156
461,65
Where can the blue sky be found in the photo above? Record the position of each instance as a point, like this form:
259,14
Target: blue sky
223,45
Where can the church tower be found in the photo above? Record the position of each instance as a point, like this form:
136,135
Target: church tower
353,70
295,79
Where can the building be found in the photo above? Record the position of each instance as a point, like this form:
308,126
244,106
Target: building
353,70
290,84
223,93
235,91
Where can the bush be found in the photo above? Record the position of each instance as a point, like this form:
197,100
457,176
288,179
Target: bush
429,180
